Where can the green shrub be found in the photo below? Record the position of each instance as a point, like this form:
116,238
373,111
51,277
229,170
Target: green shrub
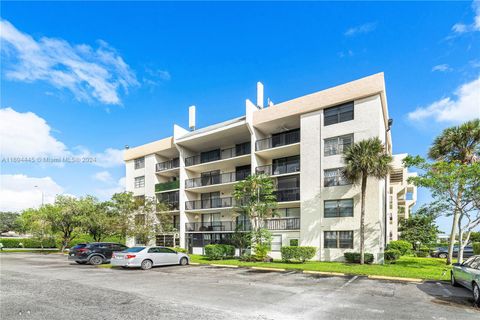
178,249
294,242
219,251
392,255
27,243
354,257
421,254
248,258
403,246
298,253
476,247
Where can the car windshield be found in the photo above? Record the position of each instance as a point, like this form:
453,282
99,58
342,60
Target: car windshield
134,249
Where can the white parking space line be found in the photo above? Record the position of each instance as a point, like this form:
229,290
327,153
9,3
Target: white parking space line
348,282
447,292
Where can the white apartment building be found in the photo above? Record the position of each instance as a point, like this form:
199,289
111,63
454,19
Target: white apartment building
299,143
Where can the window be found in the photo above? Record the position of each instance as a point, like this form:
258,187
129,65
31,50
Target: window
165,250
139,163
338,208
286,165
242,148
276,242
337,145
154,250
140,182
288,212
338,239
334,177
338,114
208,156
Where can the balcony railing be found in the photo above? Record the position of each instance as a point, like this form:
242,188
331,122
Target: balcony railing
216,226
164,186
224,154
288,195
221,178
170,206
170,164
225,202
278,140
283,224
279,169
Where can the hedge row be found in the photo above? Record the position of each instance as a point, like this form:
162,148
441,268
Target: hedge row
301,254
219,251
354,257
27,243
476,247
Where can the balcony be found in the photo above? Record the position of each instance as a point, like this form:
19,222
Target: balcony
288,195
279,140
230,226
226,202
167,165
275,170
165,186
221,155
283,224
216,179
171,206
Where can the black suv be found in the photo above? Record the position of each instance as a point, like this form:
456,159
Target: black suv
94,253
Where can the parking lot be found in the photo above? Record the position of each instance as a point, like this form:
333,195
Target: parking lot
35,286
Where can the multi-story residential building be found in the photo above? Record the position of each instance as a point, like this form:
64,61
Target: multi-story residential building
299,143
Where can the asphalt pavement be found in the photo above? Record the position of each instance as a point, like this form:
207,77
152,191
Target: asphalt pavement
38,286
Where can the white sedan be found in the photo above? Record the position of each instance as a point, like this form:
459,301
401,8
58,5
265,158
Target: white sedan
147,257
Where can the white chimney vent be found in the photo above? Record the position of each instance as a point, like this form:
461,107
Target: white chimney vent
260,95
191,117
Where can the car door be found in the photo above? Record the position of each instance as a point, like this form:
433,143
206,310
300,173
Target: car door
462,274
168,256
154,255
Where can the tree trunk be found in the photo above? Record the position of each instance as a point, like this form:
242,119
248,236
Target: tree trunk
362,220
456,216
463,243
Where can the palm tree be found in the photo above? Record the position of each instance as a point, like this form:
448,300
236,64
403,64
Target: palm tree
255,197
366,158
460,143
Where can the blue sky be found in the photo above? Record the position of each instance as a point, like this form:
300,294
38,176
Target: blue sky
86,79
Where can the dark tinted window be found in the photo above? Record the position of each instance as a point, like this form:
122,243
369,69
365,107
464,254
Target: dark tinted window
134,249
338,208
154,250
80,245
338,114
166,250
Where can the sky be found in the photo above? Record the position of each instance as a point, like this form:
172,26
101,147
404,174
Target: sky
80,80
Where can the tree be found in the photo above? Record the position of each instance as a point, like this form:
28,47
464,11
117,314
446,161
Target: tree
65,217
455,188
420,227
255,198
8,221
459,143
97,219
36,223
366,158
123,206
144,226
475,236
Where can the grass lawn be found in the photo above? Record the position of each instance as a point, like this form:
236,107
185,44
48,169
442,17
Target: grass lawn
406,267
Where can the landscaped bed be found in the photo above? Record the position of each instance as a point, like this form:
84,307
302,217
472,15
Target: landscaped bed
405,267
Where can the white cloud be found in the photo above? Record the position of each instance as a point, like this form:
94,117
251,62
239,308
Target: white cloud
28,135
474,26
90,74
442,67
464,106
106,193
364,28
103,176
18,191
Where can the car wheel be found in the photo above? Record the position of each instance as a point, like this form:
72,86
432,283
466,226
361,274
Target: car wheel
476,295
453,282
443,255
81,262
146,264
183,261
96,260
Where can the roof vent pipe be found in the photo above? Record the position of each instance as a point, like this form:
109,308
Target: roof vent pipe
191,117
260,95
